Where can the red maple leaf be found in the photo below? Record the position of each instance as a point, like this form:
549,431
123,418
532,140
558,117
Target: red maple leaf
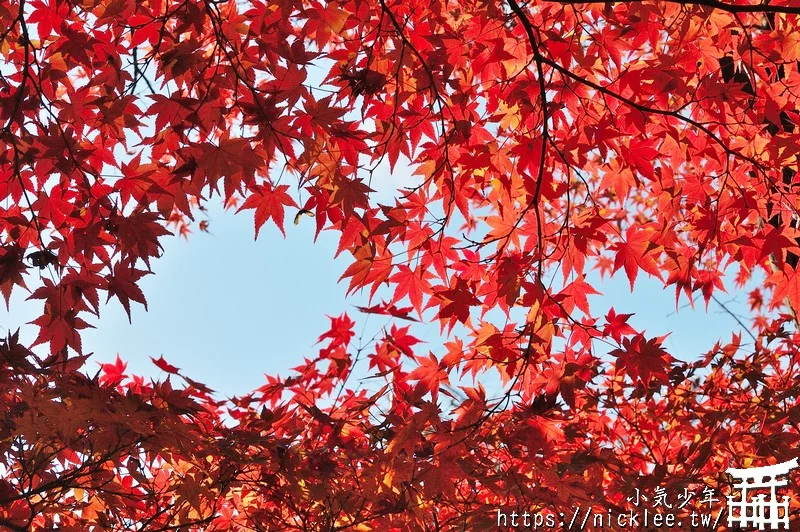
11,269
617,325
389,310
269,203
164,365
430,375
643,359
787,288
122,285
635,253
113,373
455,303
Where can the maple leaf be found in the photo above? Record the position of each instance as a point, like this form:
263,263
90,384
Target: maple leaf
408,434
402,340
546,429
113,373
60,323
411,283
164,365
455,303
233,159
642,359
390,310
269,203
341,330
350,194
635,253
577,292
137,235
430,375
14,353
617,325
641,156
11,269
122,285
787,288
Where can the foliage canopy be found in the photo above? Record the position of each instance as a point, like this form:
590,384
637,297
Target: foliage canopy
550,139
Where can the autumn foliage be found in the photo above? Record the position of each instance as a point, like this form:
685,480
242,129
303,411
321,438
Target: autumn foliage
549,142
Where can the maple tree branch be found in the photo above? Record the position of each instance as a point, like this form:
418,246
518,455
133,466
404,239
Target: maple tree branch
437,98
633,424
158,513
651,110
534,203
138,72
21,88
734,316
235,63
26,44
13,526
66,481
722,6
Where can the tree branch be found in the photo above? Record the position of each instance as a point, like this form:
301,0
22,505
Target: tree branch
714,4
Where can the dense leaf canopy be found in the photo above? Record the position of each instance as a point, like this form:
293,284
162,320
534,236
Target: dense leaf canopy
549,142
